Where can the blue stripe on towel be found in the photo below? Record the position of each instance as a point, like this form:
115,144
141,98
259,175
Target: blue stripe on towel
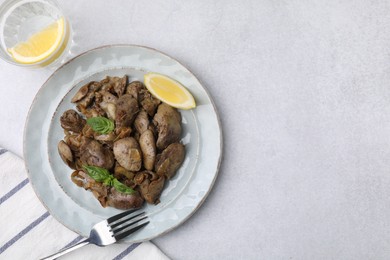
24,231
13,191
3,151
127,251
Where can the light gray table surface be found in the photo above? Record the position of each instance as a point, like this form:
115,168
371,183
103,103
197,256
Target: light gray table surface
303,92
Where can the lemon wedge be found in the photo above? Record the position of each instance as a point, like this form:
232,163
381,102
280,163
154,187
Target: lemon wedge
169,91
40,45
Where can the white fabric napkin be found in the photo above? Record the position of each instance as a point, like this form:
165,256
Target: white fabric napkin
28,231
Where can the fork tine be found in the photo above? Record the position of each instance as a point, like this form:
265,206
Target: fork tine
125,220
130,231
121,215
121,228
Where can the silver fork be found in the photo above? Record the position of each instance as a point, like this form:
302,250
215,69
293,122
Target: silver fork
110,231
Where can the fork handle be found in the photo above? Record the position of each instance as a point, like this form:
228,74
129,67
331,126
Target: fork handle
67,250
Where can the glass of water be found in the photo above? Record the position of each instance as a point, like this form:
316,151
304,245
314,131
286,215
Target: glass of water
33,33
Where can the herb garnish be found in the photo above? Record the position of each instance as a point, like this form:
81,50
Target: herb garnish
101,124
103,175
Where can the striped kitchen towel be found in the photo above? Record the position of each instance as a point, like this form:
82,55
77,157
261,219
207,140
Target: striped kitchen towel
28,231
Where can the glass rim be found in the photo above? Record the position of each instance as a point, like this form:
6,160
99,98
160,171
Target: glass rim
4,54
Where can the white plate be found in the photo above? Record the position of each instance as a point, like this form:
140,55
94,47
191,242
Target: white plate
50,177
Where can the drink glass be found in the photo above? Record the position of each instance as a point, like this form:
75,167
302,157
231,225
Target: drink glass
21,21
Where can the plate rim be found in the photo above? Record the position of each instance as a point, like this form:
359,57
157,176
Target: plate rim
218,121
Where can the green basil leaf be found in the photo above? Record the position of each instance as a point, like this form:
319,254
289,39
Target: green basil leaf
97,173
101,124
103,175
109,181
119,186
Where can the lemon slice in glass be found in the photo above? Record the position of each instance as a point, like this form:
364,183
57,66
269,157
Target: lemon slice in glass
169,91
40,45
